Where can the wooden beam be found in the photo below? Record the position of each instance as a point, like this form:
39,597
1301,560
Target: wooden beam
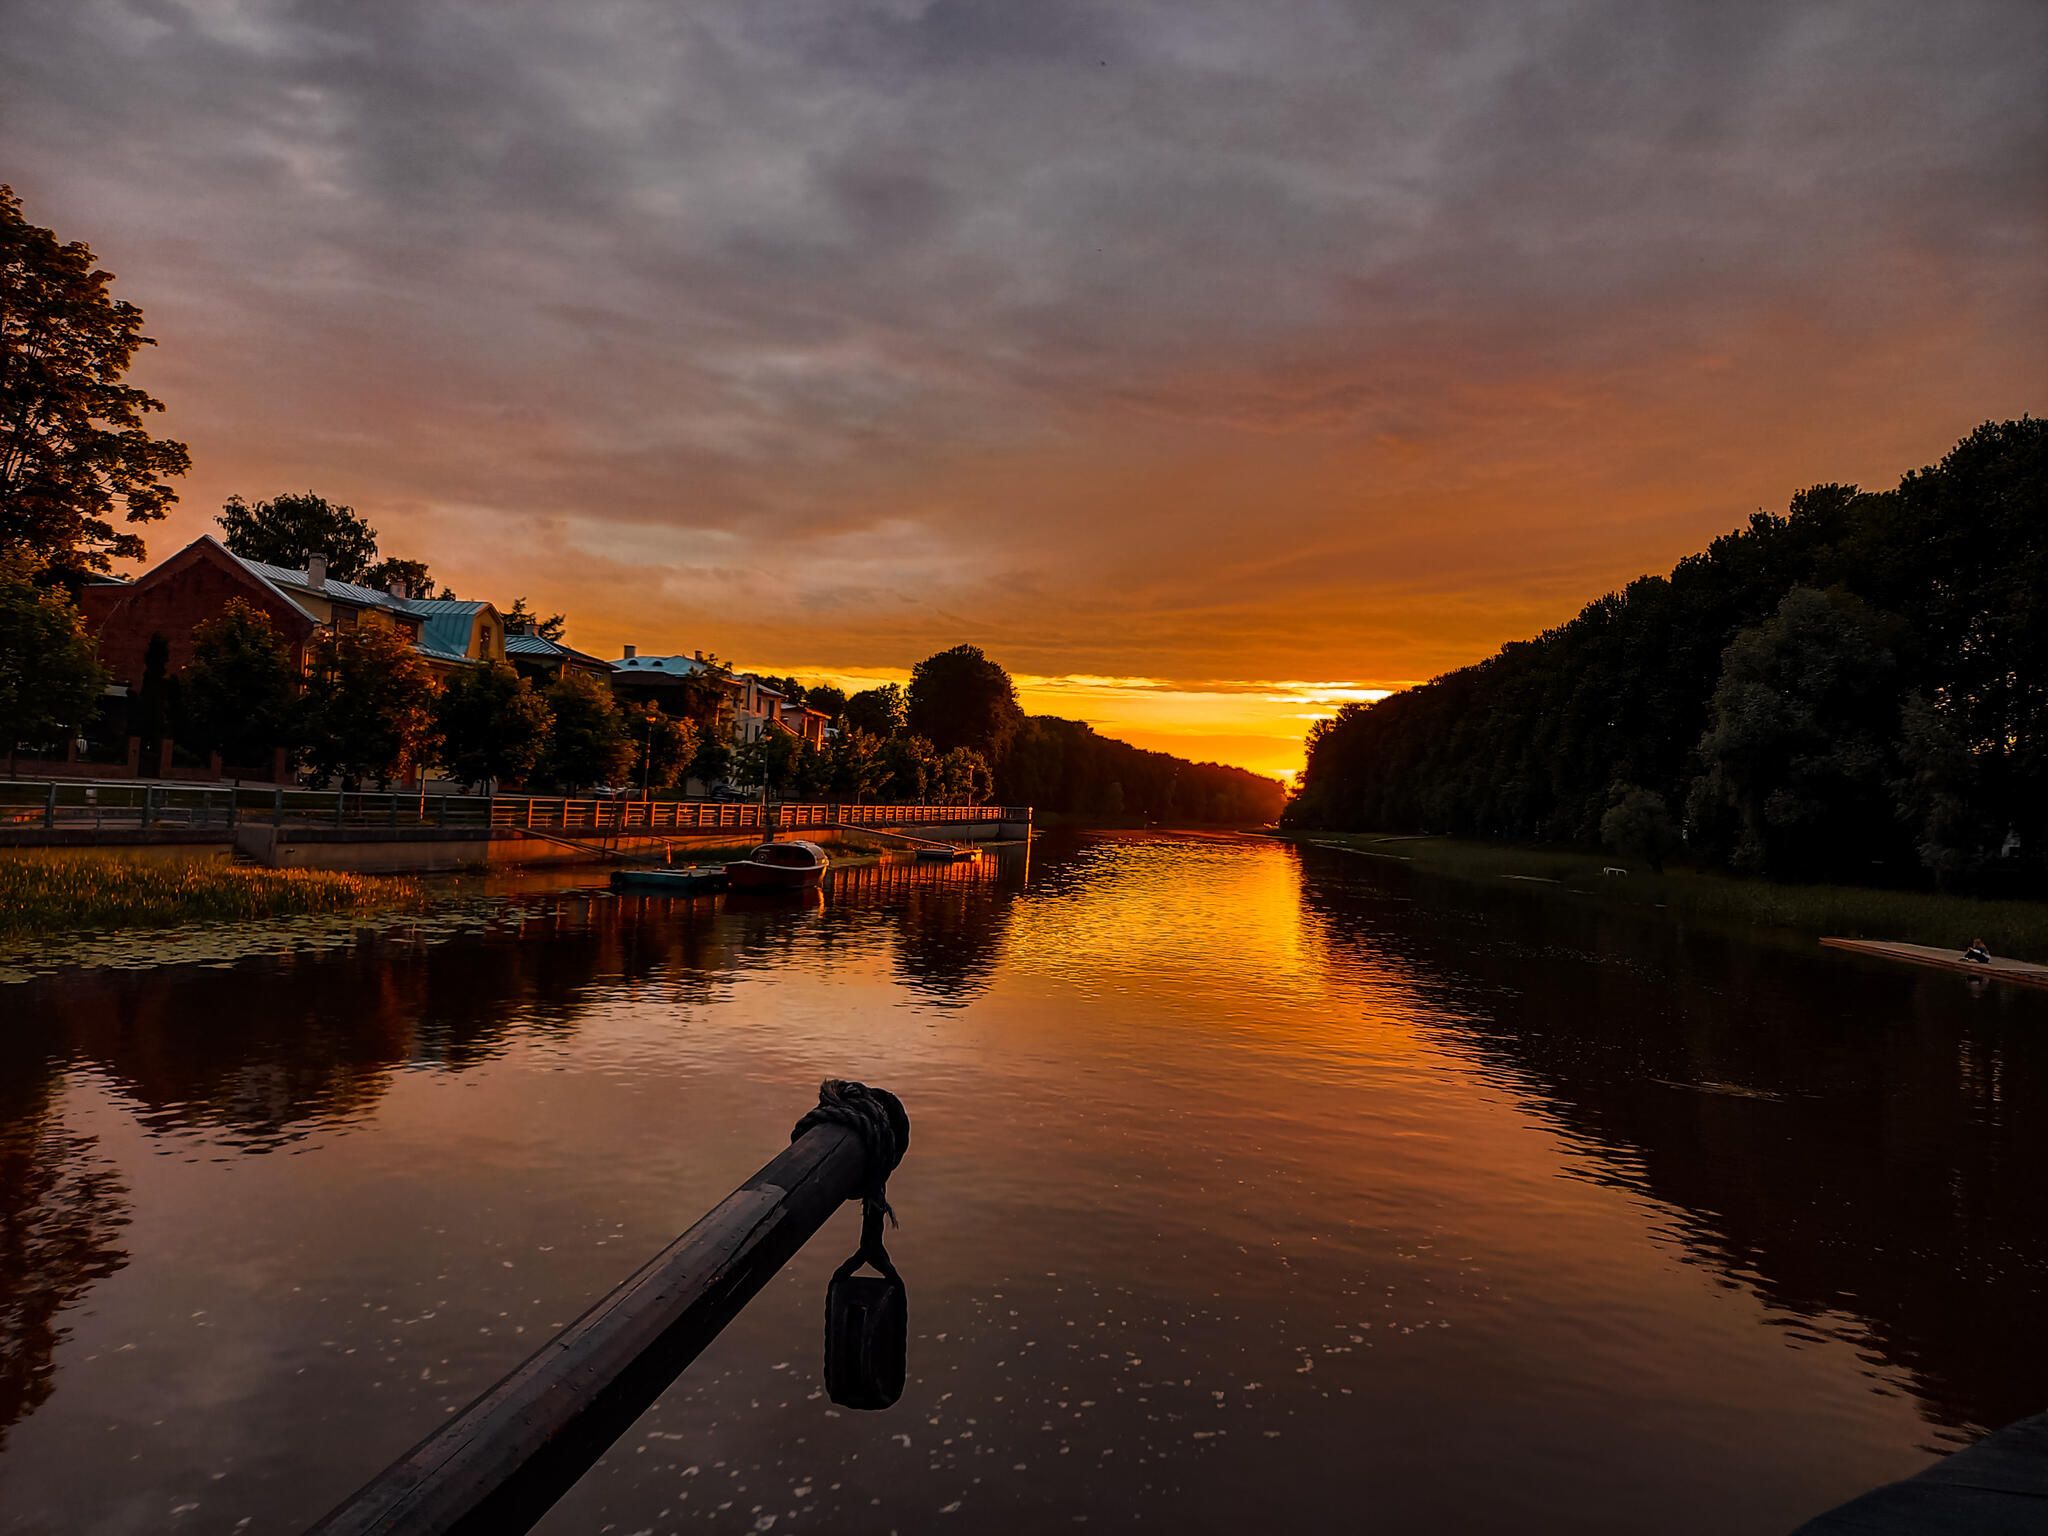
502,1462
1997,1487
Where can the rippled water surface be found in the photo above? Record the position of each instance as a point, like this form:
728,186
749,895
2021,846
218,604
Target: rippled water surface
1252,1188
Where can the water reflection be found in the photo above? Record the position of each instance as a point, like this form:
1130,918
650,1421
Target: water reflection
62,1206
1844,1140
1240,1139
259,1055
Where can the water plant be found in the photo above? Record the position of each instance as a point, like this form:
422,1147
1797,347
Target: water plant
43,892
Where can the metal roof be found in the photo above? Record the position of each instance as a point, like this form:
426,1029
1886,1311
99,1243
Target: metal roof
449,620
669,666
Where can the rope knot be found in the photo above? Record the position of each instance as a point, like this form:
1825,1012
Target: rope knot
877,1117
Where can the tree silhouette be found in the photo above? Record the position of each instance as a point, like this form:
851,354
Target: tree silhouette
74,452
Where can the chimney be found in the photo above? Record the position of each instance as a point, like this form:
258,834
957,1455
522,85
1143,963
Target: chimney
316,572
700,655
399,588
632,651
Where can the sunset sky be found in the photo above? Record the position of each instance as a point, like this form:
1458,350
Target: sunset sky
1207,364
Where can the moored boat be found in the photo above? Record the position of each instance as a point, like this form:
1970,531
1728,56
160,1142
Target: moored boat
788,866
691,880
949,855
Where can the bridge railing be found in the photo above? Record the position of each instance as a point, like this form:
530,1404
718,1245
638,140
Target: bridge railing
28,804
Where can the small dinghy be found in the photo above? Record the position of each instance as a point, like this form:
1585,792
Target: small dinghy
790,866
691,880
949,855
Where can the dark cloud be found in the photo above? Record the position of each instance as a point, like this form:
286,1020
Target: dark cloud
1074,317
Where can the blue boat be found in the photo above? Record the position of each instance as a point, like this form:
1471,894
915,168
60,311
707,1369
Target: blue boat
691,880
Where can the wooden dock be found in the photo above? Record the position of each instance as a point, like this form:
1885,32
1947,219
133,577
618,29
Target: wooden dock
2021,972
1997,1487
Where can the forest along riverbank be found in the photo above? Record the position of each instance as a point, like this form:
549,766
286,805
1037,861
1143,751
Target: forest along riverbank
1251,1180
2018,929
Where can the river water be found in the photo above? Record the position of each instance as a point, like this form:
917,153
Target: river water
1251,1188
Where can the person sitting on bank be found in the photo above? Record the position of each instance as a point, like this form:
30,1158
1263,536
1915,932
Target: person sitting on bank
1977,952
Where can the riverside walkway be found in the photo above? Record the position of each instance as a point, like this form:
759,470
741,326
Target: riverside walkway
387,831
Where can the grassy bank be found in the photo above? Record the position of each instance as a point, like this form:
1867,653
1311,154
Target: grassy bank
54,892
2017,929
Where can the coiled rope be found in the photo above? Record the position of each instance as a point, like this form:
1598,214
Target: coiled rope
877,1117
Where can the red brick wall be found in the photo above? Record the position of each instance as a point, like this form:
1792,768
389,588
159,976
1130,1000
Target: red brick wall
188,589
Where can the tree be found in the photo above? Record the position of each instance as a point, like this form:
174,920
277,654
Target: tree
492,725
553,627
882,712
858,768
912,769
1939,795
1638,825
964,778
791,690
663,745
1797,750
50,676
713,760
153,713
241,687
768,762
826,700
959,698
588,744
368,711
418,580
72,440
289,530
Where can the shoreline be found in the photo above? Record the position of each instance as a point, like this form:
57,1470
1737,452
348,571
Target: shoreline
2014,929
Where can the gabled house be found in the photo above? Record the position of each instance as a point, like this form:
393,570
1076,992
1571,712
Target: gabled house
173,597
457,630
676,684
540,660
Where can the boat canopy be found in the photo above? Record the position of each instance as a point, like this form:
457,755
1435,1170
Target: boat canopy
792,855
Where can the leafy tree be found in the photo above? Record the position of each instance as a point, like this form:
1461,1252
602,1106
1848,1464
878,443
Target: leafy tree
912,767
553,627
289,530
858,767
368,711
419,581
72,440
826,700
882,712
1797,747
241,688
791,690
1940,795
50,676
153,715
663,745
713,760
1063,765
1638,825
1950,566
768,762
959,698
964,778
588,744
492,725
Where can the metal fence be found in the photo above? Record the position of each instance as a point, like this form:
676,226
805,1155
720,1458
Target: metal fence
27,804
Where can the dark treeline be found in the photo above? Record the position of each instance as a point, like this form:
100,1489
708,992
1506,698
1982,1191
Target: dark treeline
1062,765
1855,690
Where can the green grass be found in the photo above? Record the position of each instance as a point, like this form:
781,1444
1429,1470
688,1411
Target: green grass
2016,929
46,893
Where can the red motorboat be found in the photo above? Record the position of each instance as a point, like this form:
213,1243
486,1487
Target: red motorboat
791,866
